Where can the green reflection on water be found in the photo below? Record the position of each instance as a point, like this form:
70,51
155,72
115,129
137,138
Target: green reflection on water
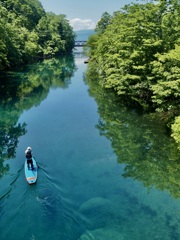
139,141
21,91
82,195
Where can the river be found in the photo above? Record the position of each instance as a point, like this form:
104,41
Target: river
105,172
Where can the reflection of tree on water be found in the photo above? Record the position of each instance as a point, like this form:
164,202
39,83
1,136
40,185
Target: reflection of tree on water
22,90
10,131
139,141
37,80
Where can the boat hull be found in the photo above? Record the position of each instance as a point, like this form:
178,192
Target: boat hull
31,174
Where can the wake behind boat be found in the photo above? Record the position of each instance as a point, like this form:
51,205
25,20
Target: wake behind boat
31,173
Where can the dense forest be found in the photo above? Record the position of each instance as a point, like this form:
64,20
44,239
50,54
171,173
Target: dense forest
27,33
136,53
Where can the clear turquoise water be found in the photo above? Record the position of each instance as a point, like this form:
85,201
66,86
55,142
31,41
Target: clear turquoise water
81,192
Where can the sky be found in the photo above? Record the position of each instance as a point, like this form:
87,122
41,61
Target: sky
83,14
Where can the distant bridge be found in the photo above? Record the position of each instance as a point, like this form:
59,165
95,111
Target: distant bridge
80,43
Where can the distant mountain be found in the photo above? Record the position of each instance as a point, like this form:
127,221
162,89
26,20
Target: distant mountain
83,35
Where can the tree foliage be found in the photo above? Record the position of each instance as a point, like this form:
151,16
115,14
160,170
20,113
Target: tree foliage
55,34
103,22
27,32
137,55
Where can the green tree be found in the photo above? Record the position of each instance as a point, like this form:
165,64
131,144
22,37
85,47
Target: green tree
90,47
27,32
138,56
27,13
125,50
55,34
103,22
11,40
166,94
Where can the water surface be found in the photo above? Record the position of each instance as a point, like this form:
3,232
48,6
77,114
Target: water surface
105,172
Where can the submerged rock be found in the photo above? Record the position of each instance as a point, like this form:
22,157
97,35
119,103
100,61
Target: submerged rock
98,212
93,205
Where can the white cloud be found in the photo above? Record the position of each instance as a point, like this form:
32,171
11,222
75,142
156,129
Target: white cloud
79,24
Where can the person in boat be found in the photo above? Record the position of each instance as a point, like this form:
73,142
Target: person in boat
28,153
